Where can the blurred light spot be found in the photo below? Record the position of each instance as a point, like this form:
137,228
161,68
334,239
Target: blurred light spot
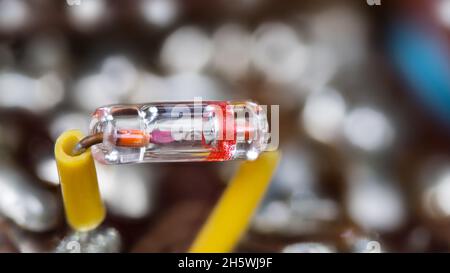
323,115
187,49
303,214
186,86
322,67
307,247
116,79
28,206
15,90
13,14
68,121
443,194
368,129
344,30
18,90
49,91
232,46
121,72
46,53
159,12
278,52
272,217
149,87
47,171
132,199
437,196
295,173
88,13
309,207
443,11
373,202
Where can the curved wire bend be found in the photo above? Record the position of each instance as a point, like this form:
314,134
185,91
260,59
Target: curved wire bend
86,143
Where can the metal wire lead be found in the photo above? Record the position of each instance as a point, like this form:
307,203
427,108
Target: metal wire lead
86,143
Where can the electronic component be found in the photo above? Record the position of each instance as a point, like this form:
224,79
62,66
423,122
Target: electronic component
177,131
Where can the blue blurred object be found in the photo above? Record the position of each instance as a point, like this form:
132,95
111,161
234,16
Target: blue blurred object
422,57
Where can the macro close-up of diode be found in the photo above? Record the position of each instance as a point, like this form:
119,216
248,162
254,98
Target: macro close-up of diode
234,127
170,132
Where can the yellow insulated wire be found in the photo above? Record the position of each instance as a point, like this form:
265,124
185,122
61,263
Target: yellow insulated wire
233,212
82,201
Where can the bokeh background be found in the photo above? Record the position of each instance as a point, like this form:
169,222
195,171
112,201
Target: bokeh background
364,95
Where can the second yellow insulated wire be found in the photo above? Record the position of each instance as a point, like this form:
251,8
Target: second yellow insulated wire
82,201
233,212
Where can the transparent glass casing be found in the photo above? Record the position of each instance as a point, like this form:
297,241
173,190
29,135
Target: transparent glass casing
179,131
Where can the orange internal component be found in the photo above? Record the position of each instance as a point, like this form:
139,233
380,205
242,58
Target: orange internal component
132,138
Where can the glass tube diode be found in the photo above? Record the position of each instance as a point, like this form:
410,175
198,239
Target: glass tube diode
179,131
